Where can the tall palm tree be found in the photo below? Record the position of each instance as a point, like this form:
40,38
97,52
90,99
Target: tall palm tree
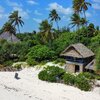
84,7
76,6
46,31
80,6
54,17
16,20
75,20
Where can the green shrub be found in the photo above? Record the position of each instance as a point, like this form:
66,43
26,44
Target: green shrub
8,63
60,60
43,75
51,74
82,83
64,40
40,53
43,62
87,75
20,49
18,66
98,60
2,41
69,79
31,61
95,43
97,77
1,66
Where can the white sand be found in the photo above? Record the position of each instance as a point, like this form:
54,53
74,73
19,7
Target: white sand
29,87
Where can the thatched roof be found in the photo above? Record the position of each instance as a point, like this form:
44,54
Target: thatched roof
77,50
9,37
91,65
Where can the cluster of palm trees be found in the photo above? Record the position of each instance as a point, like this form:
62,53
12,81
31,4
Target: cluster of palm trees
47,32
80,7
13,23
77,21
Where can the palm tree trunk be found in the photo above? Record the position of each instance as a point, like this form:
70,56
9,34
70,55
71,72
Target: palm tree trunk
84,14
57,25
78,27
18,28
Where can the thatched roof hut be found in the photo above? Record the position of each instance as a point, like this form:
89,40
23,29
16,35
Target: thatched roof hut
9,37
77,50
78,56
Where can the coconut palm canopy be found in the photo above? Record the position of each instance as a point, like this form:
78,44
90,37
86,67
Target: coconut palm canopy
16,20
33,11
54,17
77,50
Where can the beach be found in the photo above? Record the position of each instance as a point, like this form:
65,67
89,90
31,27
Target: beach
29,87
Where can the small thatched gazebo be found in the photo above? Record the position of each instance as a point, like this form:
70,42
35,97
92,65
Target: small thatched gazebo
10,37
78,58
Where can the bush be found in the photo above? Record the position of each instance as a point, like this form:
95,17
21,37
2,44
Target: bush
60,60
1,66
31,61
20,49
43,62
95,42
18,66
87,75
43,75
64,40
98,60
8,63
82,83
40,53
51,74
97,77
2,41
69,79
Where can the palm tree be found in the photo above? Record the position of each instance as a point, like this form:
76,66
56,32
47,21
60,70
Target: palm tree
75,20
54,17
76,6
83,22
84,7
91,30
46,31
80,6
16,20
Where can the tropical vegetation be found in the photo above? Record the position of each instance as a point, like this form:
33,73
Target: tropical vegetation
83,81
48,43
